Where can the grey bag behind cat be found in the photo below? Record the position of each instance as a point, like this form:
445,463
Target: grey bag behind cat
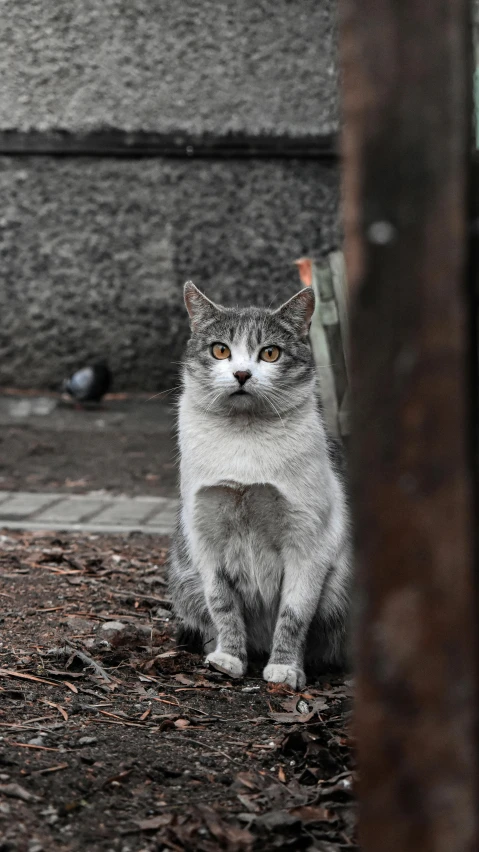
261,558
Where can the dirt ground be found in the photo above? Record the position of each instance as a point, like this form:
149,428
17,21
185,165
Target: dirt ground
126,445
112,738
66,462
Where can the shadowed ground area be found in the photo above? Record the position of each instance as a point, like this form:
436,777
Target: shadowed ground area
113,738
125,445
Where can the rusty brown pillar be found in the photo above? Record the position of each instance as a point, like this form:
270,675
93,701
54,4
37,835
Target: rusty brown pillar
405,144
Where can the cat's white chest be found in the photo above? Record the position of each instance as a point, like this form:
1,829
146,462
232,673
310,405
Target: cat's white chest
211,454
263,452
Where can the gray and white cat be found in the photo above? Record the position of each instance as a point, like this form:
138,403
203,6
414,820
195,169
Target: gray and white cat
261,559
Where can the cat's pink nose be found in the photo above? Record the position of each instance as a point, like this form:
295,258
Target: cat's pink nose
242,376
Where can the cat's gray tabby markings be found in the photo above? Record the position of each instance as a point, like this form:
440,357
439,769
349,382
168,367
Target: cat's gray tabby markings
261,558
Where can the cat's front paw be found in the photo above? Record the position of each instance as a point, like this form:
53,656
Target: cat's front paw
276,673
226,663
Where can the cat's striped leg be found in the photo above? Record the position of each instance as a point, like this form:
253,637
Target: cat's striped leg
225,608
299,600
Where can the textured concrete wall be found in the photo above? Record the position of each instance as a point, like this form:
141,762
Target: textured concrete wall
198,66
94,254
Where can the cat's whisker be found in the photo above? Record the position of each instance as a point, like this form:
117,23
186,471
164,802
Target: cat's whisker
161,393
280,395
265,397
215,398
325,366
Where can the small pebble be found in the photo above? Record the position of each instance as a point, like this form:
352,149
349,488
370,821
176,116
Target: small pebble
251,689
113,625
50,814
84,741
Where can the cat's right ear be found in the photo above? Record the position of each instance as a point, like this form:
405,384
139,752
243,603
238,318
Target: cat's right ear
199,307
299,310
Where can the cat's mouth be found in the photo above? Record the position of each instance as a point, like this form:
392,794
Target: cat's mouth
240,392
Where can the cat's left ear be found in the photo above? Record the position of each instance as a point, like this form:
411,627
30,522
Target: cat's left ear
199,307
299,310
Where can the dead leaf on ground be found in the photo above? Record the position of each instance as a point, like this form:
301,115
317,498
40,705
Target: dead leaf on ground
154,823
60,709
276,820
313,813
235,838
280,689
248,803
14,791
295,712
25,676
186,681
251,780
145,714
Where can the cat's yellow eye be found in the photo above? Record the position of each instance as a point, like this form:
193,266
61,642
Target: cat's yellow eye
270,354
220,351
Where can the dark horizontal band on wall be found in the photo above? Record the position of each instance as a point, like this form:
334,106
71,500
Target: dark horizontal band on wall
119,143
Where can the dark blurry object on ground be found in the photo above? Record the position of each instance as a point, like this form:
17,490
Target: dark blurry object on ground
127,446
89,384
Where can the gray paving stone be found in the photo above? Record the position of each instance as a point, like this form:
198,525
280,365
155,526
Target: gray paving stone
23,504
165,515
89,527
88,513
131,510
72,509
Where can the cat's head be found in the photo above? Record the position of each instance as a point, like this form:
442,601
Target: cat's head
249,359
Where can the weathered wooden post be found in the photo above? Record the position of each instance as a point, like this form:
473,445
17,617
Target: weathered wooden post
329,335
406,89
